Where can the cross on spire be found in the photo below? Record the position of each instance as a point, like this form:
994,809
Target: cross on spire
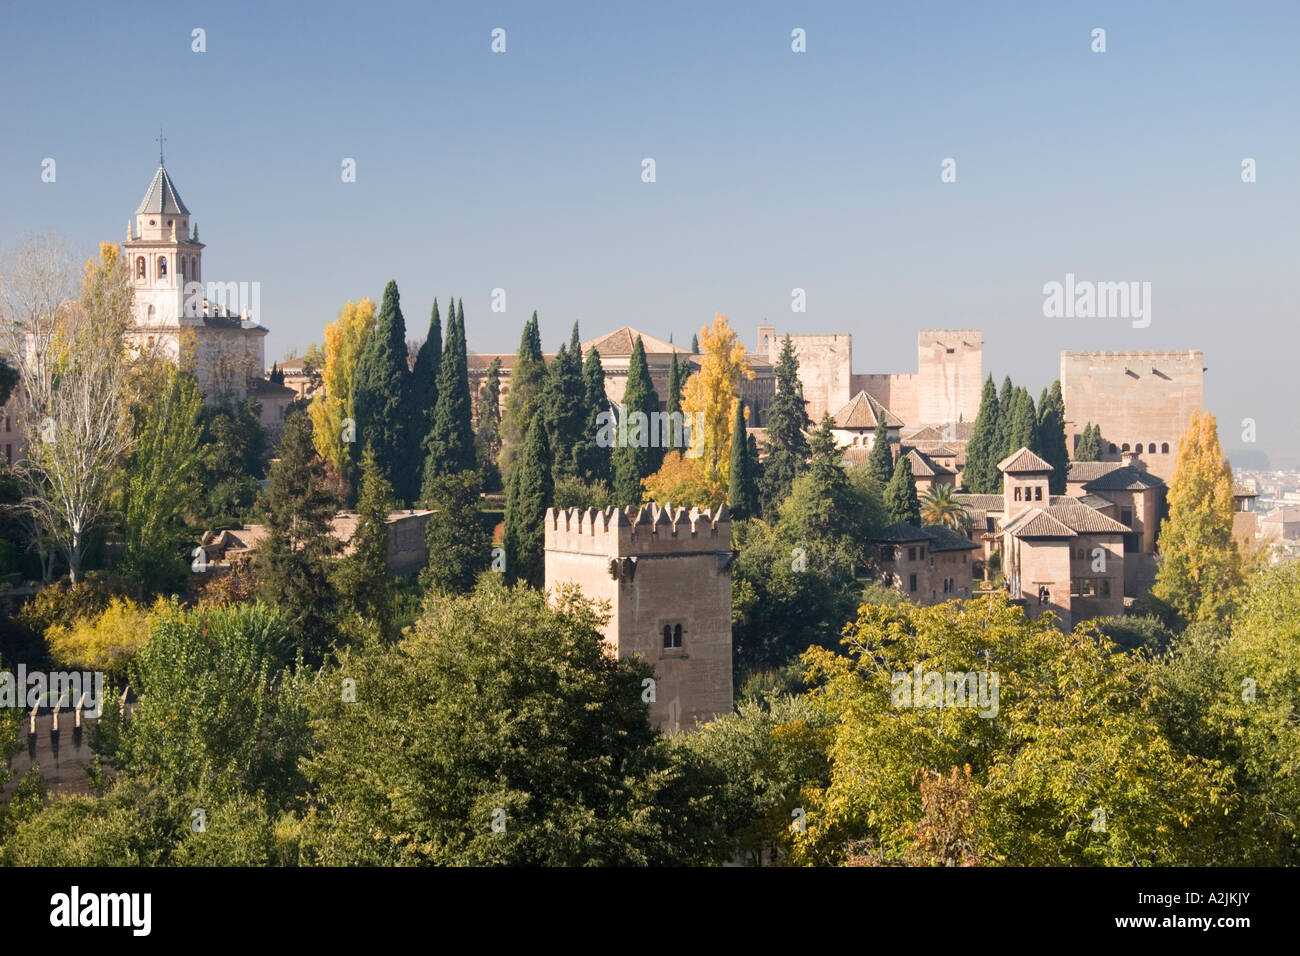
160,140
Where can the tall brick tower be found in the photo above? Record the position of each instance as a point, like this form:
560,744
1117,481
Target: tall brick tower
666,573
949,366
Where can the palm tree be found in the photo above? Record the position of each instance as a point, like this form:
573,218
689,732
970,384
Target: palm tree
940,506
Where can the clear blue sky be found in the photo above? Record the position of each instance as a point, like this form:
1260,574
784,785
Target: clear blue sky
775,170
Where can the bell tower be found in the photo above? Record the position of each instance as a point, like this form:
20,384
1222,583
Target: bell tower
163,255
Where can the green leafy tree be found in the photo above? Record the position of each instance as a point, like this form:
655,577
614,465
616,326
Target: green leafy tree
527,499
459,545
1200,567
380,401
635,461
901,500
160,482
1070,731
450,445
787,418
361,578
512,737
291,563
742,495
1051,437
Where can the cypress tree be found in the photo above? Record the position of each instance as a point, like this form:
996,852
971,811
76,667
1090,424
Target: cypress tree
880,462
380,399
1006,412
675,382
596,462
984,450
458,544
1023,430
695,345
291,563
424,376
362,576
488,435
565,409
1051,436
450,446
786,420
1089,447
901,501
635,459
530,493
742,495
527,380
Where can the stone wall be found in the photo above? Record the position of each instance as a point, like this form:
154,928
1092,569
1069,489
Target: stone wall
1140,399
658,567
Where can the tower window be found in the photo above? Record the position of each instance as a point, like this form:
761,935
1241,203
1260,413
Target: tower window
672,636
162,267
1151,448
1164,448
139,267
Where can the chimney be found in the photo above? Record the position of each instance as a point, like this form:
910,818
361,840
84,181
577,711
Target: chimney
1132,460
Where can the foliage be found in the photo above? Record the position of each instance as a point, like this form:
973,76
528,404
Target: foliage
1089,447
425,373
742,493
712,394
1051,436
361,578
680,481
380,402
576,493
345,341
634,461
983,451
527,381
501,708
450,445
459,546
1071,734
1200,567
901,501
880,461
529,496
106,640
291,562
594,462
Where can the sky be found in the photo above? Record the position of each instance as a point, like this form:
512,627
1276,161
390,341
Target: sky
774,170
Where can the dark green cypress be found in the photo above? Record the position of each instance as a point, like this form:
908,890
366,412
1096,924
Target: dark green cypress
635,459
450,446
1006,412
901,501
488,435
530,494
742,494
675,383
381,401
1051,437
527,381
362,576
1023,430
984,450
880,462
596,461
565,408
424,376
1089,447
695,345
787,417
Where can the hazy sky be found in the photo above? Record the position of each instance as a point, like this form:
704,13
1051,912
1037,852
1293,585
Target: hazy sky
775,170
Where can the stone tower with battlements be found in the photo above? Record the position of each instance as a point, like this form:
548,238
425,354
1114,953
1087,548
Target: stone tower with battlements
666,573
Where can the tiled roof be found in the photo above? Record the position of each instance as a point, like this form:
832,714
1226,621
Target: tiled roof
981,502
1074,517
620,342
925,468
862,411
1124,478
1090,470
959,432
1023,461
940,538
856,457
162,197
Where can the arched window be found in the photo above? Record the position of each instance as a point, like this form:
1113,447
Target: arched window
672,636
139,267
677,636
1112,448
183,264
668,636
1164,448
1125,448
162,267
1151,448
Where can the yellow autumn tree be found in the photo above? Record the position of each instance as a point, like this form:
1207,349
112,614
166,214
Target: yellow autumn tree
1200,567
344,341
711,395
680,481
